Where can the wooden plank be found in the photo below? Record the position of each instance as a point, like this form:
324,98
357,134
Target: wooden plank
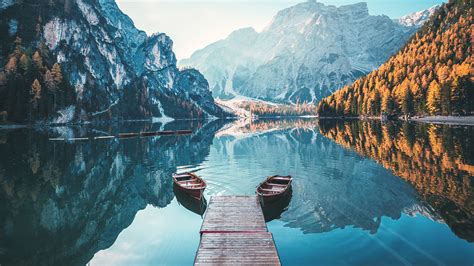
234,233
233,213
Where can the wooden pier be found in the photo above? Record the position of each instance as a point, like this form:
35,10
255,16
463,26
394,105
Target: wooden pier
234,232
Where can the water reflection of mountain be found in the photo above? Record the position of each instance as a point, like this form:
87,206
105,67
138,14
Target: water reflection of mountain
333,187
438,160
62,202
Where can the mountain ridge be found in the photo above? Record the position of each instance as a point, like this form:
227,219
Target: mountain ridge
430,75
111,69
305,52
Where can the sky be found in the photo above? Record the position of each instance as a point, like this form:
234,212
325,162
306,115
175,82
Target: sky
193,24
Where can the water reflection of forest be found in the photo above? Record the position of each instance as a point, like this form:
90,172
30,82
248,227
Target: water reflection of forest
437,160
61,202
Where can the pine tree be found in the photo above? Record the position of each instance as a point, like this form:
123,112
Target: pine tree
57,75
38,60
24,63
433,101
387,103
407,102
11,66
35,92
49,81
18,49
457,98
445,99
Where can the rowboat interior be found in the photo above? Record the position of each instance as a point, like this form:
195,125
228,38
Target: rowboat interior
189,181
274,185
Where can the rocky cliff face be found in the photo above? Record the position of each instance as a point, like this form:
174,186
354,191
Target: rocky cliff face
114,69
306,52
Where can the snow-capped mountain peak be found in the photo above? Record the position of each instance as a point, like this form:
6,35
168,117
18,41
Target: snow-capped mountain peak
417,18
306,52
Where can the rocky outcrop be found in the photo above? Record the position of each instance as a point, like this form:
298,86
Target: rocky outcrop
115,70
305,53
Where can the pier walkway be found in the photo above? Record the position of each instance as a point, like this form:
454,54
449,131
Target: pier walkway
234,233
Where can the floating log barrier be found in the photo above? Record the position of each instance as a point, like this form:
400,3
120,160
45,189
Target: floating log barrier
104,137
148,134
69,139
77,139
57,139
128,135
166,132
131,135
184,132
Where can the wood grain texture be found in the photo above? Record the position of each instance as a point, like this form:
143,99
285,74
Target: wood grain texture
234,233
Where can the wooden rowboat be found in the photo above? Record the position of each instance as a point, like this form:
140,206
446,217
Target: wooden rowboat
190,183
274,187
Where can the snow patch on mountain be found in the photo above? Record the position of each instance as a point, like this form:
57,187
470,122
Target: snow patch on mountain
305,53
5,3
88,12
417,19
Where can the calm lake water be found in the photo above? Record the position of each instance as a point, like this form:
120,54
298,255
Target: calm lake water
364,193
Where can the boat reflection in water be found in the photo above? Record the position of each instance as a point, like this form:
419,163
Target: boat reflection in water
272,210
191,203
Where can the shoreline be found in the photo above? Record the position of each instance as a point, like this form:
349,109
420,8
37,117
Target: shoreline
446,120
443,120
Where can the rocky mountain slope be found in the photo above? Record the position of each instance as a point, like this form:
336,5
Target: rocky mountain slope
417,18
304,54
431,75
110,68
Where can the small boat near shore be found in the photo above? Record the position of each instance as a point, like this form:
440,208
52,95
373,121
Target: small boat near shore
190,183
274,187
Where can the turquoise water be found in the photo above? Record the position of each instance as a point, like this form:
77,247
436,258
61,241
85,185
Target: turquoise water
111,202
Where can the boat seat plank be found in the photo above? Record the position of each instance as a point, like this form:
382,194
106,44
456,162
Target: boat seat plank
280,178
271,190
277,185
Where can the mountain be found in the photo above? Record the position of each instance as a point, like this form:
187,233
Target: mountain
304,54
417,18
85,60
431,75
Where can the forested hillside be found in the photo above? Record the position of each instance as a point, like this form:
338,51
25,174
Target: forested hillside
32,85
66,61
431,75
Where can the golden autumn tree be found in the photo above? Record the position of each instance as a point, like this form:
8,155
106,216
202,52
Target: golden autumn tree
431,74
35,92
433,101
